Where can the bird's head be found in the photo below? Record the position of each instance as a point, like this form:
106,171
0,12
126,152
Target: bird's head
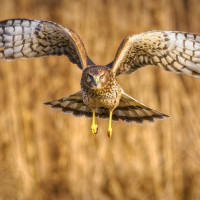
95,77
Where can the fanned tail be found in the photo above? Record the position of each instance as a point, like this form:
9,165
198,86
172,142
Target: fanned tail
128,110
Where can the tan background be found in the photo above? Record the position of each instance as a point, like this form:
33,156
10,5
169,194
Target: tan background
47,155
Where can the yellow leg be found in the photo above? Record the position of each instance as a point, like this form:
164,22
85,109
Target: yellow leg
94,126
109,126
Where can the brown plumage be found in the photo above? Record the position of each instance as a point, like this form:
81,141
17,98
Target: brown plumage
99,88
100,93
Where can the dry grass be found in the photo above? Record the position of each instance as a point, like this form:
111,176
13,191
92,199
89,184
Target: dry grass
47,155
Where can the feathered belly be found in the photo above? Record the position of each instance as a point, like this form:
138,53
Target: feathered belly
108,100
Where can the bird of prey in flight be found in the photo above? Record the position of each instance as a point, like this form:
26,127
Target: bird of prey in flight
101,95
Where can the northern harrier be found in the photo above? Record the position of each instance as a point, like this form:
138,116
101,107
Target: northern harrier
100,92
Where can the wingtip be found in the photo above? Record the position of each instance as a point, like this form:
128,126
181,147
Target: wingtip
47,103
164,115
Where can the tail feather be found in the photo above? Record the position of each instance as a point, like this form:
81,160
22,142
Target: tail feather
128,110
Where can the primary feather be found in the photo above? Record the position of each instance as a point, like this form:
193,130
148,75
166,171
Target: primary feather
174,51
128,110
24,38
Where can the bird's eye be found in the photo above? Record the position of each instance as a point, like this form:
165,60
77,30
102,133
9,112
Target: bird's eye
101,77
90,76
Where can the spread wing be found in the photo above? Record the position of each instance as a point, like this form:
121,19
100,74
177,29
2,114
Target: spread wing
71,104
24,38
174,51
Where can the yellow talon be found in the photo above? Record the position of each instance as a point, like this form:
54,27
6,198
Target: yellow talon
109,131
110,127
94,126
94,129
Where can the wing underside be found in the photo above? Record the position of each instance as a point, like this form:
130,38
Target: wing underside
129,109
173,51
24,38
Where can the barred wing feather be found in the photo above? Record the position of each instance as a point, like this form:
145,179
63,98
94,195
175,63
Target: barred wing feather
71,104
129,109
171,50
24,38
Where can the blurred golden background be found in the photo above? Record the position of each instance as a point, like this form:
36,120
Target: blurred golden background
45,154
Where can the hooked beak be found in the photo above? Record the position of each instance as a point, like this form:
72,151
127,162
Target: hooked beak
96,82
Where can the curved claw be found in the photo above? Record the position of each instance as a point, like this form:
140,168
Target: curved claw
110,127
109,132
94,129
